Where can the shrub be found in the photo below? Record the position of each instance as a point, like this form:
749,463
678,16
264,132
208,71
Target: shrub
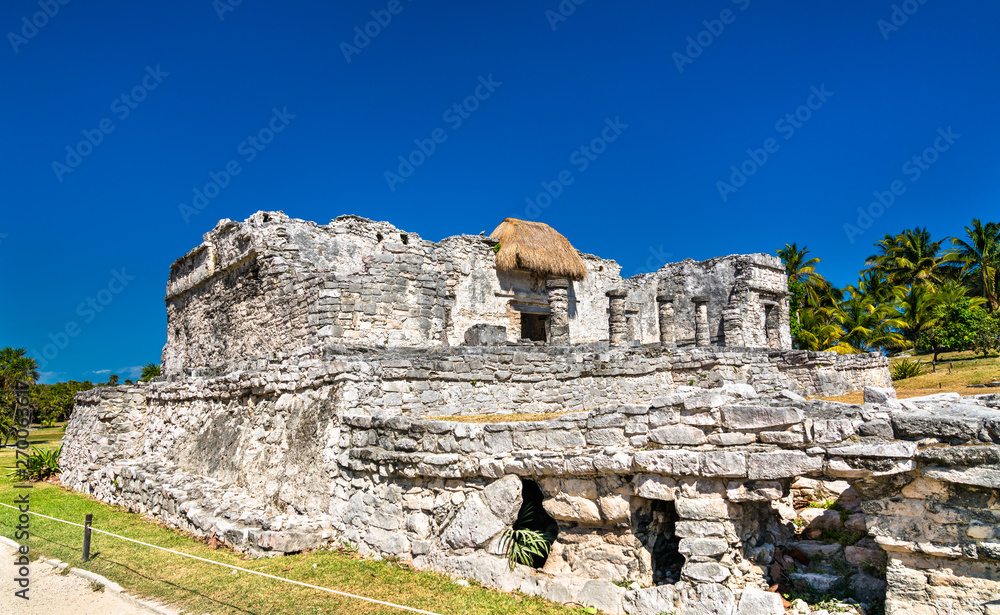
39,465
905,369
522,544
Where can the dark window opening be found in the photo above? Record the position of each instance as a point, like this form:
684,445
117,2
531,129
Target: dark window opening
533,517
404,238
378,237
655,526
533,327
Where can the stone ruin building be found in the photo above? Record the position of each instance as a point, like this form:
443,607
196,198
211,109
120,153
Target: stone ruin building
354,383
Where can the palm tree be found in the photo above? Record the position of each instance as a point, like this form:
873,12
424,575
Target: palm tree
869,325
113,380
16,369
980,258
802,270
820,330
917,307
149,371
909,258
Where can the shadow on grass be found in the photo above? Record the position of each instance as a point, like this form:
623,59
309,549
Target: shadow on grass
98,554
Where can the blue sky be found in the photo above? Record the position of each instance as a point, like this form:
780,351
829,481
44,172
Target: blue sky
646,112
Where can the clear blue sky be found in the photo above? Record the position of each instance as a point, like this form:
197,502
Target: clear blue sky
180,92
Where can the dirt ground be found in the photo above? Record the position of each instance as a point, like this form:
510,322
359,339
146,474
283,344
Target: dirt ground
52,593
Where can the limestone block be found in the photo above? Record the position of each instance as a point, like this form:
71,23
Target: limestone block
384,541
677,463
757,602
759,417
699,529
732,438
821,519
607,437
814,580
678,435
706,508
650,600
706,572
875,449
711,599
503,497
706,400
603,595
882,397
614,508
655,487
976,477
570,508
782,464
703,547
832,430
473,526
754,491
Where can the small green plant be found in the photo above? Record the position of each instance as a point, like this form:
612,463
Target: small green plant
875,570
844,537
496,249
623,583
832,505
905,369
522,544
39,464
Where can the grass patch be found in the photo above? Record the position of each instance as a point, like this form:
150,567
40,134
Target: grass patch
955,372
198,587
500,418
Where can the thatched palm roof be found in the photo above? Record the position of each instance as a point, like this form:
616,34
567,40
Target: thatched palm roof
537,247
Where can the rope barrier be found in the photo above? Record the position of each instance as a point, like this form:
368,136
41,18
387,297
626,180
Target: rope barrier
208,561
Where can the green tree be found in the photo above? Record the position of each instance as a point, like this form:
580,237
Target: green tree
917,310
17,371
909,258
979,255
113,380
959,326
149,371
801,272
868,324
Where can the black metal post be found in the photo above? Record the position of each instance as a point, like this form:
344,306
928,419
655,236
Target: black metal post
86,536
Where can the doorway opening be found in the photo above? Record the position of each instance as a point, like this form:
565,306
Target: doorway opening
533,327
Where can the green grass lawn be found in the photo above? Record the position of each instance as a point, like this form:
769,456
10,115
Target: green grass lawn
203,588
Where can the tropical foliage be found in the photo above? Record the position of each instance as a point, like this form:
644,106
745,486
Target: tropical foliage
916,293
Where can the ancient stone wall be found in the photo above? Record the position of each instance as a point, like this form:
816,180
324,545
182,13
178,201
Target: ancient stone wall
270,287
709,479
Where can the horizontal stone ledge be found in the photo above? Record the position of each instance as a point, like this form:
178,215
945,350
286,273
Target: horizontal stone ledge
782,464
896,449
988,477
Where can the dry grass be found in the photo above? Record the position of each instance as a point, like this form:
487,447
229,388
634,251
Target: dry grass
502,418
954,372
537,247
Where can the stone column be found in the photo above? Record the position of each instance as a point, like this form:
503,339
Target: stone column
558,291
701,335
617,324
665,309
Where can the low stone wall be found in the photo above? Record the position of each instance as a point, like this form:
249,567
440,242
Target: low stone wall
711,478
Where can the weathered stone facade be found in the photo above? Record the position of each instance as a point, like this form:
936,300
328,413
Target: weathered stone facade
271,285
316,378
